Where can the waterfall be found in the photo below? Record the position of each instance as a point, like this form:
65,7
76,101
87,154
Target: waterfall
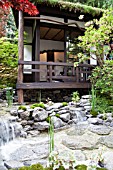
8,131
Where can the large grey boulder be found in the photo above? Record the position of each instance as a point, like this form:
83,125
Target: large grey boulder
24,115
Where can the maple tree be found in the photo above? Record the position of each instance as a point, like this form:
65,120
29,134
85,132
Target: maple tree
22,5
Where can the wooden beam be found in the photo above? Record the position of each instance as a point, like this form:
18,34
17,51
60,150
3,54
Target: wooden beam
21,55
54,85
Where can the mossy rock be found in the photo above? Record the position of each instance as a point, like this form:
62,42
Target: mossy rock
81,167
22,108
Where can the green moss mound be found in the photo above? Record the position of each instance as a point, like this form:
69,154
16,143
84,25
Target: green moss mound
22,108
64,104
37,105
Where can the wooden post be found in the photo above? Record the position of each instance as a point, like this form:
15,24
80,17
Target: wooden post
21,56
37,49
65,50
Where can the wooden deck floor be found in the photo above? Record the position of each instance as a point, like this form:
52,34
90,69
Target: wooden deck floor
54,85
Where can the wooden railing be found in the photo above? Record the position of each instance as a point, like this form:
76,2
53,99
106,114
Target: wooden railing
59,71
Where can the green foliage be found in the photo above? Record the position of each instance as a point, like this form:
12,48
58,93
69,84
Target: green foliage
8,67
36,167
22,108
41,104
64,103
102,78
48,119
75,97
94,39
24,168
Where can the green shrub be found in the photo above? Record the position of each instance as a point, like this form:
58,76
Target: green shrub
64,103
22,108
75,97
36,167
37,105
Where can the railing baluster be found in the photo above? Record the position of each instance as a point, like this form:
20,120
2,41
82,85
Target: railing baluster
50,73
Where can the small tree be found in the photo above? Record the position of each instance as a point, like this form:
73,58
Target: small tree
97,38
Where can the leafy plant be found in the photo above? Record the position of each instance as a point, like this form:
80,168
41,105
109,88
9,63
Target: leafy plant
9,96
93,102
57,115
75,97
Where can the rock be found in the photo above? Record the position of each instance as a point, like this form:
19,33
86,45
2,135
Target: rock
54,106
13,164
24,122
86,97
88,108
2,167
79,143
41,125
100,129
108,161
33,133
39,115
57,122
12,119
106,140
30,122
23,134
27,128
65,117
79,155
25,115
95,121
14,112
62,112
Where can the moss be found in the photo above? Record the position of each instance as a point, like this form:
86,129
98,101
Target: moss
64,103
81,167
57,115
71,7
37,105
22,107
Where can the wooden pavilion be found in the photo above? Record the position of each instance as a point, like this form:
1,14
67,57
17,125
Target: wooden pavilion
44,59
